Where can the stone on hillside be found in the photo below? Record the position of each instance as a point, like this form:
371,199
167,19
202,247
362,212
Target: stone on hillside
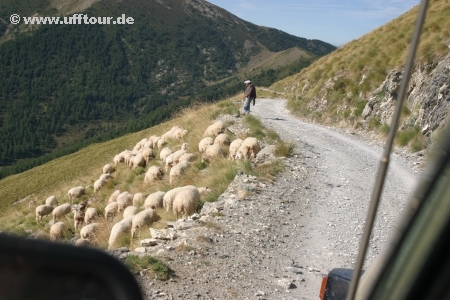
210,208
183,224
286,283
205,219
163,234
149,242
140,250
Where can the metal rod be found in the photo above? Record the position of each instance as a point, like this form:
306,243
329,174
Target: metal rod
384,162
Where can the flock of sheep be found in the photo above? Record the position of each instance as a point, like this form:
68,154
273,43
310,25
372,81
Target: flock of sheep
138,210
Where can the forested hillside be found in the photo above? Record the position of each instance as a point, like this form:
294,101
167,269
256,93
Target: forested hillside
65,86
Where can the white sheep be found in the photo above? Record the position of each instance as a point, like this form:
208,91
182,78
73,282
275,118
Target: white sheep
203,190
61,211
105,177
143,141
185,202
98,184
173,158
171,133
222,140
180,134
153,173
137,146
78,217
57,231
123,200
137,161
108,169
119,230
215,129
76,192
43,210
155,142
170,195
187,157
166,151
234,147
90,215
177,171
113,197
51,201
118,159
205,142
138,198
161,142
144,218
211,152
249,148
154,200
130,211
127,158
111,210
148,144
82,242
121,157
147,154
89,231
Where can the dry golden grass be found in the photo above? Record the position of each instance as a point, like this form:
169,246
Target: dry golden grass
85,166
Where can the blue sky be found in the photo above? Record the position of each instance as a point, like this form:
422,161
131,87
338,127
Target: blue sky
333,21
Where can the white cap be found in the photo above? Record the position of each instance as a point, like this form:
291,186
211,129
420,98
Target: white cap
247,81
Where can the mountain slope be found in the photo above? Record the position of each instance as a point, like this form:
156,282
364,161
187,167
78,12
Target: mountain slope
63,84
356,85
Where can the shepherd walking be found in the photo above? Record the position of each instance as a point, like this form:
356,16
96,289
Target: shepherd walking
249,96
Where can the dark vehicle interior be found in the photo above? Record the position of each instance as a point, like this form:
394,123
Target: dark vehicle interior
38,269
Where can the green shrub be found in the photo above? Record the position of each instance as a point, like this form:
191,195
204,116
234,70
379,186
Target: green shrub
255,126
346,113
385,129
374,123
360,105
139,171
138,264
272,135
200,165
404,137
418,143
284,149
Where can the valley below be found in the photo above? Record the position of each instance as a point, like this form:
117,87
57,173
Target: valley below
278,240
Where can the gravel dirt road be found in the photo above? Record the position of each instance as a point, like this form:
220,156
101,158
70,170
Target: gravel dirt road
277,243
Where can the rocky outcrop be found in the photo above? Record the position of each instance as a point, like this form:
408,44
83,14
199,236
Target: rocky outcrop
427,98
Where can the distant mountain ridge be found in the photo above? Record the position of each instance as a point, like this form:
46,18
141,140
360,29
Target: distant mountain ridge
62,84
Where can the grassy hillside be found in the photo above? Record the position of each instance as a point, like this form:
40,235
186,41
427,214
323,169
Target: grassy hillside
64,84
21,193
335,88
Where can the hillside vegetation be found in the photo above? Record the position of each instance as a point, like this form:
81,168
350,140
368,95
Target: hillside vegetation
62,85
21,193
336,88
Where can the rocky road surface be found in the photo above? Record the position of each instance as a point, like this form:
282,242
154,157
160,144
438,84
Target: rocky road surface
280,240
